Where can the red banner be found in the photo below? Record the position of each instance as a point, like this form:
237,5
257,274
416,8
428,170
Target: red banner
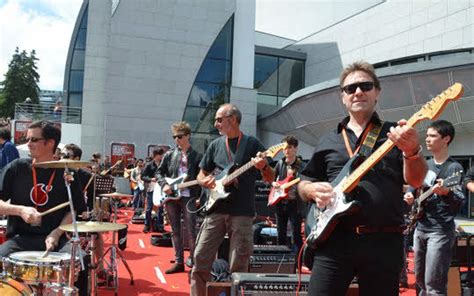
21,127
152,147
122,151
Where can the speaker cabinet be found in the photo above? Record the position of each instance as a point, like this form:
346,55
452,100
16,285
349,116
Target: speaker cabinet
259,284
272,259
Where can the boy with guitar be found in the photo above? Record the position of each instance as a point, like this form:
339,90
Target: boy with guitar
435,232
290,206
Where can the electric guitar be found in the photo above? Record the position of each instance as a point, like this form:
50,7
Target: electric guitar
106,171
224,178
417,212
281,192
348,178
160,197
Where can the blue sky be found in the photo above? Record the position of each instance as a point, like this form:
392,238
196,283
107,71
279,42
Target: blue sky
43,25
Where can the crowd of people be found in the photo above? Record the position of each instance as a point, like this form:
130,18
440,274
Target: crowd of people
368,243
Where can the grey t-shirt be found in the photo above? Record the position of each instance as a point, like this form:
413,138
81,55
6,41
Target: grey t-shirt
241,201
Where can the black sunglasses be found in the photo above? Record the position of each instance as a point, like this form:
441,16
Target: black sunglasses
364,86
178,136
34,139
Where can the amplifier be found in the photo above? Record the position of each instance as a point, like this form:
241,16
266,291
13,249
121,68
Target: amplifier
260,284
272,259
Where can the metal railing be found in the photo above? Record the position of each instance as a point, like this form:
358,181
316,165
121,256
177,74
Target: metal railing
45,111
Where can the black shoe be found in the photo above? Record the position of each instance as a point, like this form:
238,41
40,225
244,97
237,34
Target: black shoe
189,262
177,267
146,229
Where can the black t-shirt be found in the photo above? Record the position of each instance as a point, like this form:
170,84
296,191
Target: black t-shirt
83,177
241,201
439,211
469,176
16,185
379,191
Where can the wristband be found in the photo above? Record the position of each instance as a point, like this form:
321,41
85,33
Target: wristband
416,155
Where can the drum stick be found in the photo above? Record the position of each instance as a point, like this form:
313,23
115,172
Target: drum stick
45,254
60,206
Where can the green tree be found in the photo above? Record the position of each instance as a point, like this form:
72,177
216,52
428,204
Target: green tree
21,82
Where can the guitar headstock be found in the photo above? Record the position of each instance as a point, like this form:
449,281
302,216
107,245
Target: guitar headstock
453,180
433,108
272,151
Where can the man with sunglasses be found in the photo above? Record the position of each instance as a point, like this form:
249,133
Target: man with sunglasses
32,190
369,243
149,178
177,162
234,215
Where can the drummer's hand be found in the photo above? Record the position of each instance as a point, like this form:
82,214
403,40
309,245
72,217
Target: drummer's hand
30,215
167,189
69,177
85,215
52,240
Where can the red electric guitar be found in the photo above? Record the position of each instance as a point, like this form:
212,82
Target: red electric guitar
281,192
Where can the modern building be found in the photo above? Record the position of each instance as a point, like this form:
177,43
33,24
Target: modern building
137,66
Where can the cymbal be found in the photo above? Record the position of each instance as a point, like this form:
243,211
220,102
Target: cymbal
58,164
116,194
91,226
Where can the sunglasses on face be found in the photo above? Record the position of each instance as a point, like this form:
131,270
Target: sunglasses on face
178,136
364,86
219,119
34,139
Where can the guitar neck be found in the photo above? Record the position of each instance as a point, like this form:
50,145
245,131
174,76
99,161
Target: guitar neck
351,181
237,173
291,183
187,184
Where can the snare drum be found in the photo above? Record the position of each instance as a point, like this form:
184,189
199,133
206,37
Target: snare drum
32,269
10,287
102,208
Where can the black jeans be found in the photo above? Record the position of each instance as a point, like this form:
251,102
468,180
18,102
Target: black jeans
376,259
36,243
284,211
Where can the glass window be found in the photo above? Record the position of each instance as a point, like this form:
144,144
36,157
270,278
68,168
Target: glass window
290,76
217,71
266,74
84,18
203,94
81,39
201,119
76,81
222,47
78,57
75,100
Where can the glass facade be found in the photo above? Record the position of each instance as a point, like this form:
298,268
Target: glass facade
275,78
210,89
76,67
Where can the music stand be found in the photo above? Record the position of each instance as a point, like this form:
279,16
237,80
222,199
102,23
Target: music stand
102,184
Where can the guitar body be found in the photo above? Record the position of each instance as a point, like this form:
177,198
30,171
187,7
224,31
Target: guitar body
219,192
277,194
160,197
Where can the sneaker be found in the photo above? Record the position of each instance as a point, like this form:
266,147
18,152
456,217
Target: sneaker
189,262
146,229
177,267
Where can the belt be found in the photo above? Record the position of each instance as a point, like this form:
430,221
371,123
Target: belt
362,229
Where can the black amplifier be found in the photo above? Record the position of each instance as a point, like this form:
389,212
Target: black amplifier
260,284
272,259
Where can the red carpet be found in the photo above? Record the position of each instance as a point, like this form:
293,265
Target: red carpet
148,264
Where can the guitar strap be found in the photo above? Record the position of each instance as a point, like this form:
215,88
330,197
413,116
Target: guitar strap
370,140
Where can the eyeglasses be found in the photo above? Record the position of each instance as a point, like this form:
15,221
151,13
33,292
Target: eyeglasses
219,119
179,136
364,86
34,139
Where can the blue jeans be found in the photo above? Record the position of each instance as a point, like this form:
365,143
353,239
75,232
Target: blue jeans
149,207
433,255
175,209
137,199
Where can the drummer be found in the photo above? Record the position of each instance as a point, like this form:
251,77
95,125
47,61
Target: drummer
32,190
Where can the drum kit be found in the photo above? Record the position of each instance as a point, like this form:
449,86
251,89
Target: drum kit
54,273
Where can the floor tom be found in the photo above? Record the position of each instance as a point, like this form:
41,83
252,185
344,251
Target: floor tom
10,287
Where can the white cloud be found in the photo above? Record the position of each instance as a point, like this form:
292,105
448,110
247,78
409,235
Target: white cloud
43,25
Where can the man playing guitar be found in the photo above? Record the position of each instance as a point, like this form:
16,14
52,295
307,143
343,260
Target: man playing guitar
368,243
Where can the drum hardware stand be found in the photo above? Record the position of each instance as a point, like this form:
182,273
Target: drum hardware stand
75,240
114,251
